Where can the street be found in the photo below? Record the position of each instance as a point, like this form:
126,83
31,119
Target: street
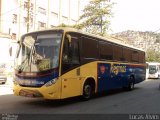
143,99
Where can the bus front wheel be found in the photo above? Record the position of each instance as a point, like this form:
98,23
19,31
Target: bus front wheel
87,91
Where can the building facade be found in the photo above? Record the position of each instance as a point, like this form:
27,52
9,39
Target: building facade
21,16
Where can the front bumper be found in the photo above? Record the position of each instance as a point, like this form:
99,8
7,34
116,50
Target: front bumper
51,92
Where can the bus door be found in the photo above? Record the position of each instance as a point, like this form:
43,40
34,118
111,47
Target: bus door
110,76
104,77
70,67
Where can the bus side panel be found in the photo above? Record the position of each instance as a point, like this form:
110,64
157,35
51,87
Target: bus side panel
111,76
140,74
116,75
73,81
104,77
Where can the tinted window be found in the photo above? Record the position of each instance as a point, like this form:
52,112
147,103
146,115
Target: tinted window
89,48
106,51
127,54
135,56
118,53
141,57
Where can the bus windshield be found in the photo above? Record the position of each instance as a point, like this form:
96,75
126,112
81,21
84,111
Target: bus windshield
152,69
38,52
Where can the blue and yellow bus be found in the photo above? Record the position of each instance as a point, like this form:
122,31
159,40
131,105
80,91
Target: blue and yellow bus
63,62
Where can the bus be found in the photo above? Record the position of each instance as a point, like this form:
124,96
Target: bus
60,63
154,70
147,70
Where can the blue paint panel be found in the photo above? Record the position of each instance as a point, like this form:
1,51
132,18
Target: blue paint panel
35,81
111,76
104,81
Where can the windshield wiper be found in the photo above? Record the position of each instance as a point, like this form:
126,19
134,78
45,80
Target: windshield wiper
23,64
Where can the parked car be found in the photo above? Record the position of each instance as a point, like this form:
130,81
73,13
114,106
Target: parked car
3,73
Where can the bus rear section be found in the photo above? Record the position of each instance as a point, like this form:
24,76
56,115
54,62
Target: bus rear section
118,75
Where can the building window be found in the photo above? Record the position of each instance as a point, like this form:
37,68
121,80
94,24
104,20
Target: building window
14,19
31,20
73,22
54,15
52,26
31,7
54,18
64,20
41,25
42,10
25,21
14,36
25,5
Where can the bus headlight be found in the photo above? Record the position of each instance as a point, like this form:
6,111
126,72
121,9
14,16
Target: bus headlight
15,82
51,82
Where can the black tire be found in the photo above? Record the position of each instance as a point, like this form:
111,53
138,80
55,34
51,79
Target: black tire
131,84
3,82
87,91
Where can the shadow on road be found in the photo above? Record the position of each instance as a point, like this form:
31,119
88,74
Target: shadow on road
65,102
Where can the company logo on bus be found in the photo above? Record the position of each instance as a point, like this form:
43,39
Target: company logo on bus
30,82
115,68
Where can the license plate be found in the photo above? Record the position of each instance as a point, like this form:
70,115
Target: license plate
26,94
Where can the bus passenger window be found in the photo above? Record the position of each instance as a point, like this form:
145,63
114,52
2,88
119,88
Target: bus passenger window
127,54
135,56
106,51
118,53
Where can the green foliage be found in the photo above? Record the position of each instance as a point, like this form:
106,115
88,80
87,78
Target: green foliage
152,55
96,17
158,38
64,25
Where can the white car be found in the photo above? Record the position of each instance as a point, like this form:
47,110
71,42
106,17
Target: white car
3,73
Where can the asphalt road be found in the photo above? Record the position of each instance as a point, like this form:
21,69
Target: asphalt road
145,98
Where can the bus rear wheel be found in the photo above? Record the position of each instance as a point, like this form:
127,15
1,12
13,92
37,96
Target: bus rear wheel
131,84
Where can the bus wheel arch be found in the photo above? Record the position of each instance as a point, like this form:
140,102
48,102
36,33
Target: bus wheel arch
88,88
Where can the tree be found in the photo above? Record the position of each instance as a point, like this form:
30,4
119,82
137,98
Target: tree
64,25
96,17
152,55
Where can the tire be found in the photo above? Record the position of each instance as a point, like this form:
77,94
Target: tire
3,82
131,84
87,91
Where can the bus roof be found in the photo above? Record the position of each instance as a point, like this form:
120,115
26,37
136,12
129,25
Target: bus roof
153,63
107,38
